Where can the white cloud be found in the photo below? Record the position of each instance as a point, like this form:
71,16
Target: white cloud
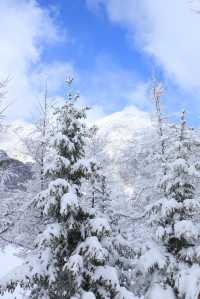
167,30
25,30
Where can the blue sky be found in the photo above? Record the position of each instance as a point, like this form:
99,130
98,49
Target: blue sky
89,35
94,45
111,47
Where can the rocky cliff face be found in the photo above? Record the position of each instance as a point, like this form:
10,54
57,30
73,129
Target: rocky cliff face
14,174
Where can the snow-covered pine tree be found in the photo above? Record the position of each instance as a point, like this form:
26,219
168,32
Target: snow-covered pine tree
100,197
104,196
168,261
93,185
70,260
98,192
118,244
180,190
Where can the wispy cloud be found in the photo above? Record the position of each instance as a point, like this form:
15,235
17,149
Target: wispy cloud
167,30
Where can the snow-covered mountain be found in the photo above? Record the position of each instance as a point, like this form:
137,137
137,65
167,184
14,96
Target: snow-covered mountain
123,136
115,132
11,140
115,129
14,174
118,128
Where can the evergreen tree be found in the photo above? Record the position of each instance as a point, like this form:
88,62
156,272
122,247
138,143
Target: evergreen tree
98,191
176,220
172,215
101,199
65,158
71,259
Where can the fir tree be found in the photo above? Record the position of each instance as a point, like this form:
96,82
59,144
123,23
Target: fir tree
99,194
100,197
172,215
178,208
71,260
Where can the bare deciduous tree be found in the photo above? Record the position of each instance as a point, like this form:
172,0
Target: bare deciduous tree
36,143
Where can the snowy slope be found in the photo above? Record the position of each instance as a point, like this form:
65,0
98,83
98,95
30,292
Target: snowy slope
14,174
121,136
11,142
8,261
118,128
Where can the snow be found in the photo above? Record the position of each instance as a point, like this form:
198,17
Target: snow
69,201
125,294
107,274
91,248
119,240
189,254
157,292
62,139
75,264
18,294
88,295
13,134
186,229
42,264
48,198
160,232
169,206
53,230
55,162
99,227
58,186
152,258
82,163
191,204
9,261
180,164
188,282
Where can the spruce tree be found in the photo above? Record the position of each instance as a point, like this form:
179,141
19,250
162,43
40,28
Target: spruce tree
70,259
98,192
101,199
177,237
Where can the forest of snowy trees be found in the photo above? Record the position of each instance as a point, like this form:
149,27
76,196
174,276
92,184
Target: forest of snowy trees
80,234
